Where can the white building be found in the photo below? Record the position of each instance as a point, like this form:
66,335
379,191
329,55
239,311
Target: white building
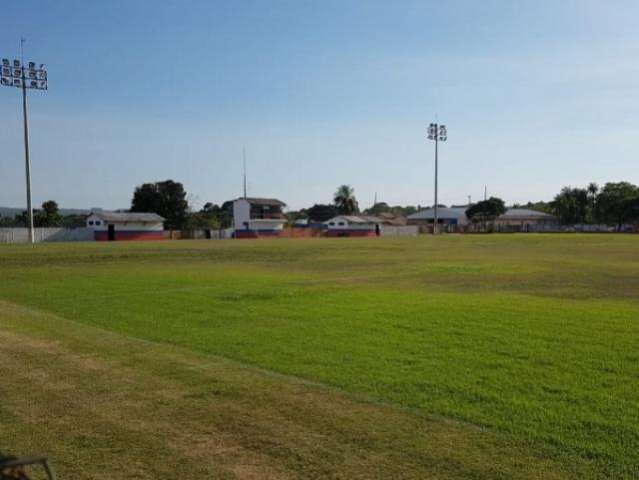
125,225
524,219
255,217
445,216
353,226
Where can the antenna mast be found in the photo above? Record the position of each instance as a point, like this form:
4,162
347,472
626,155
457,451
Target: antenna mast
244,163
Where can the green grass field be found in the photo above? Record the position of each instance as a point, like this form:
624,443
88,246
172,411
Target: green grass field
503,356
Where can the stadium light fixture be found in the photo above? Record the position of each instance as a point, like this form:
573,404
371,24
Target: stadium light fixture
436,133
26,77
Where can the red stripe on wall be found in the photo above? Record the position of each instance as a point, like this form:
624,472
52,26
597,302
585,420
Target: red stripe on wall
257,233
350,233
130,235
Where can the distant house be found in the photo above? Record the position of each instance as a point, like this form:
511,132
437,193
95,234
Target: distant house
391,219
353,226
524,219
125,225
255,217
445,216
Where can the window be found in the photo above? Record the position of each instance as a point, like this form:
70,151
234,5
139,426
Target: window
332,224
90,222
97,222
341,223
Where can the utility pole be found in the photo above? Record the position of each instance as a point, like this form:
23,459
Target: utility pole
437,133
24,77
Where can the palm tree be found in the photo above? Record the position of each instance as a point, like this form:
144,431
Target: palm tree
592,190
345,200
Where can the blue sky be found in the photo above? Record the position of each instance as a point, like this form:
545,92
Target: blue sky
536,95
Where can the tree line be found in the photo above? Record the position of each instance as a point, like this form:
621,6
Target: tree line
616,204
345,203
48,216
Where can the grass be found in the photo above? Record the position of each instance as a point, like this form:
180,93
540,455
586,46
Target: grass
499,356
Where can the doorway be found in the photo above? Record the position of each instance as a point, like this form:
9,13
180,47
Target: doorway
111,235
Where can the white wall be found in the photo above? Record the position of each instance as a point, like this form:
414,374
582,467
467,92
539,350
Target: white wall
399,231
21,235
94,218
124,226
241,213
264,224
348,225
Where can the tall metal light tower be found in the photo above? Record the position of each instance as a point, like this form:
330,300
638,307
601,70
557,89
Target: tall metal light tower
22,76
437,133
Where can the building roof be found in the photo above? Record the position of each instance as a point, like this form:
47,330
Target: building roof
442,213
524,213
360,219
388,218
121,217
272,202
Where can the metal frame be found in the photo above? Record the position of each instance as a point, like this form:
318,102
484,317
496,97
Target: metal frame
12,465
18,75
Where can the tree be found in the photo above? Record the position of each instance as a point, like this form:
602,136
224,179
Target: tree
379,207
571,206
167,199
321,213
208,217
592,190
49,216
226,214
633,210
615,204
345,200
486,210
73,221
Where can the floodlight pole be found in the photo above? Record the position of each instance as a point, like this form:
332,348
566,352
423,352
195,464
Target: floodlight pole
435,219
436,132
27,160
16,76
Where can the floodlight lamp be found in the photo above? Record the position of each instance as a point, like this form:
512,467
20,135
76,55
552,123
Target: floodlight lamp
6,72
16,63
5,81
42,84
6,62
32,65
17,82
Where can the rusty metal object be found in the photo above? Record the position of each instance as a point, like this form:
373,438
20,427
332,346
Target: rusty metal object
16,468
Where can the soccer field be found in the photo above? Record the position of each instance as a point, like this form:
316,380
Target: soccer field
497,356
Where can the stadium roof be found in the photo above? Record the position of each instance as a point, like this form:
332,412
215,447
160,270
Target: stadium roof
121,217
272,202
524,212
442,213
359,218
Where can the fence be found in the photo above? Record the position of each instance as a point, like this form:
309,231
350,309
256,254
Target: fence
399,231
21,235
